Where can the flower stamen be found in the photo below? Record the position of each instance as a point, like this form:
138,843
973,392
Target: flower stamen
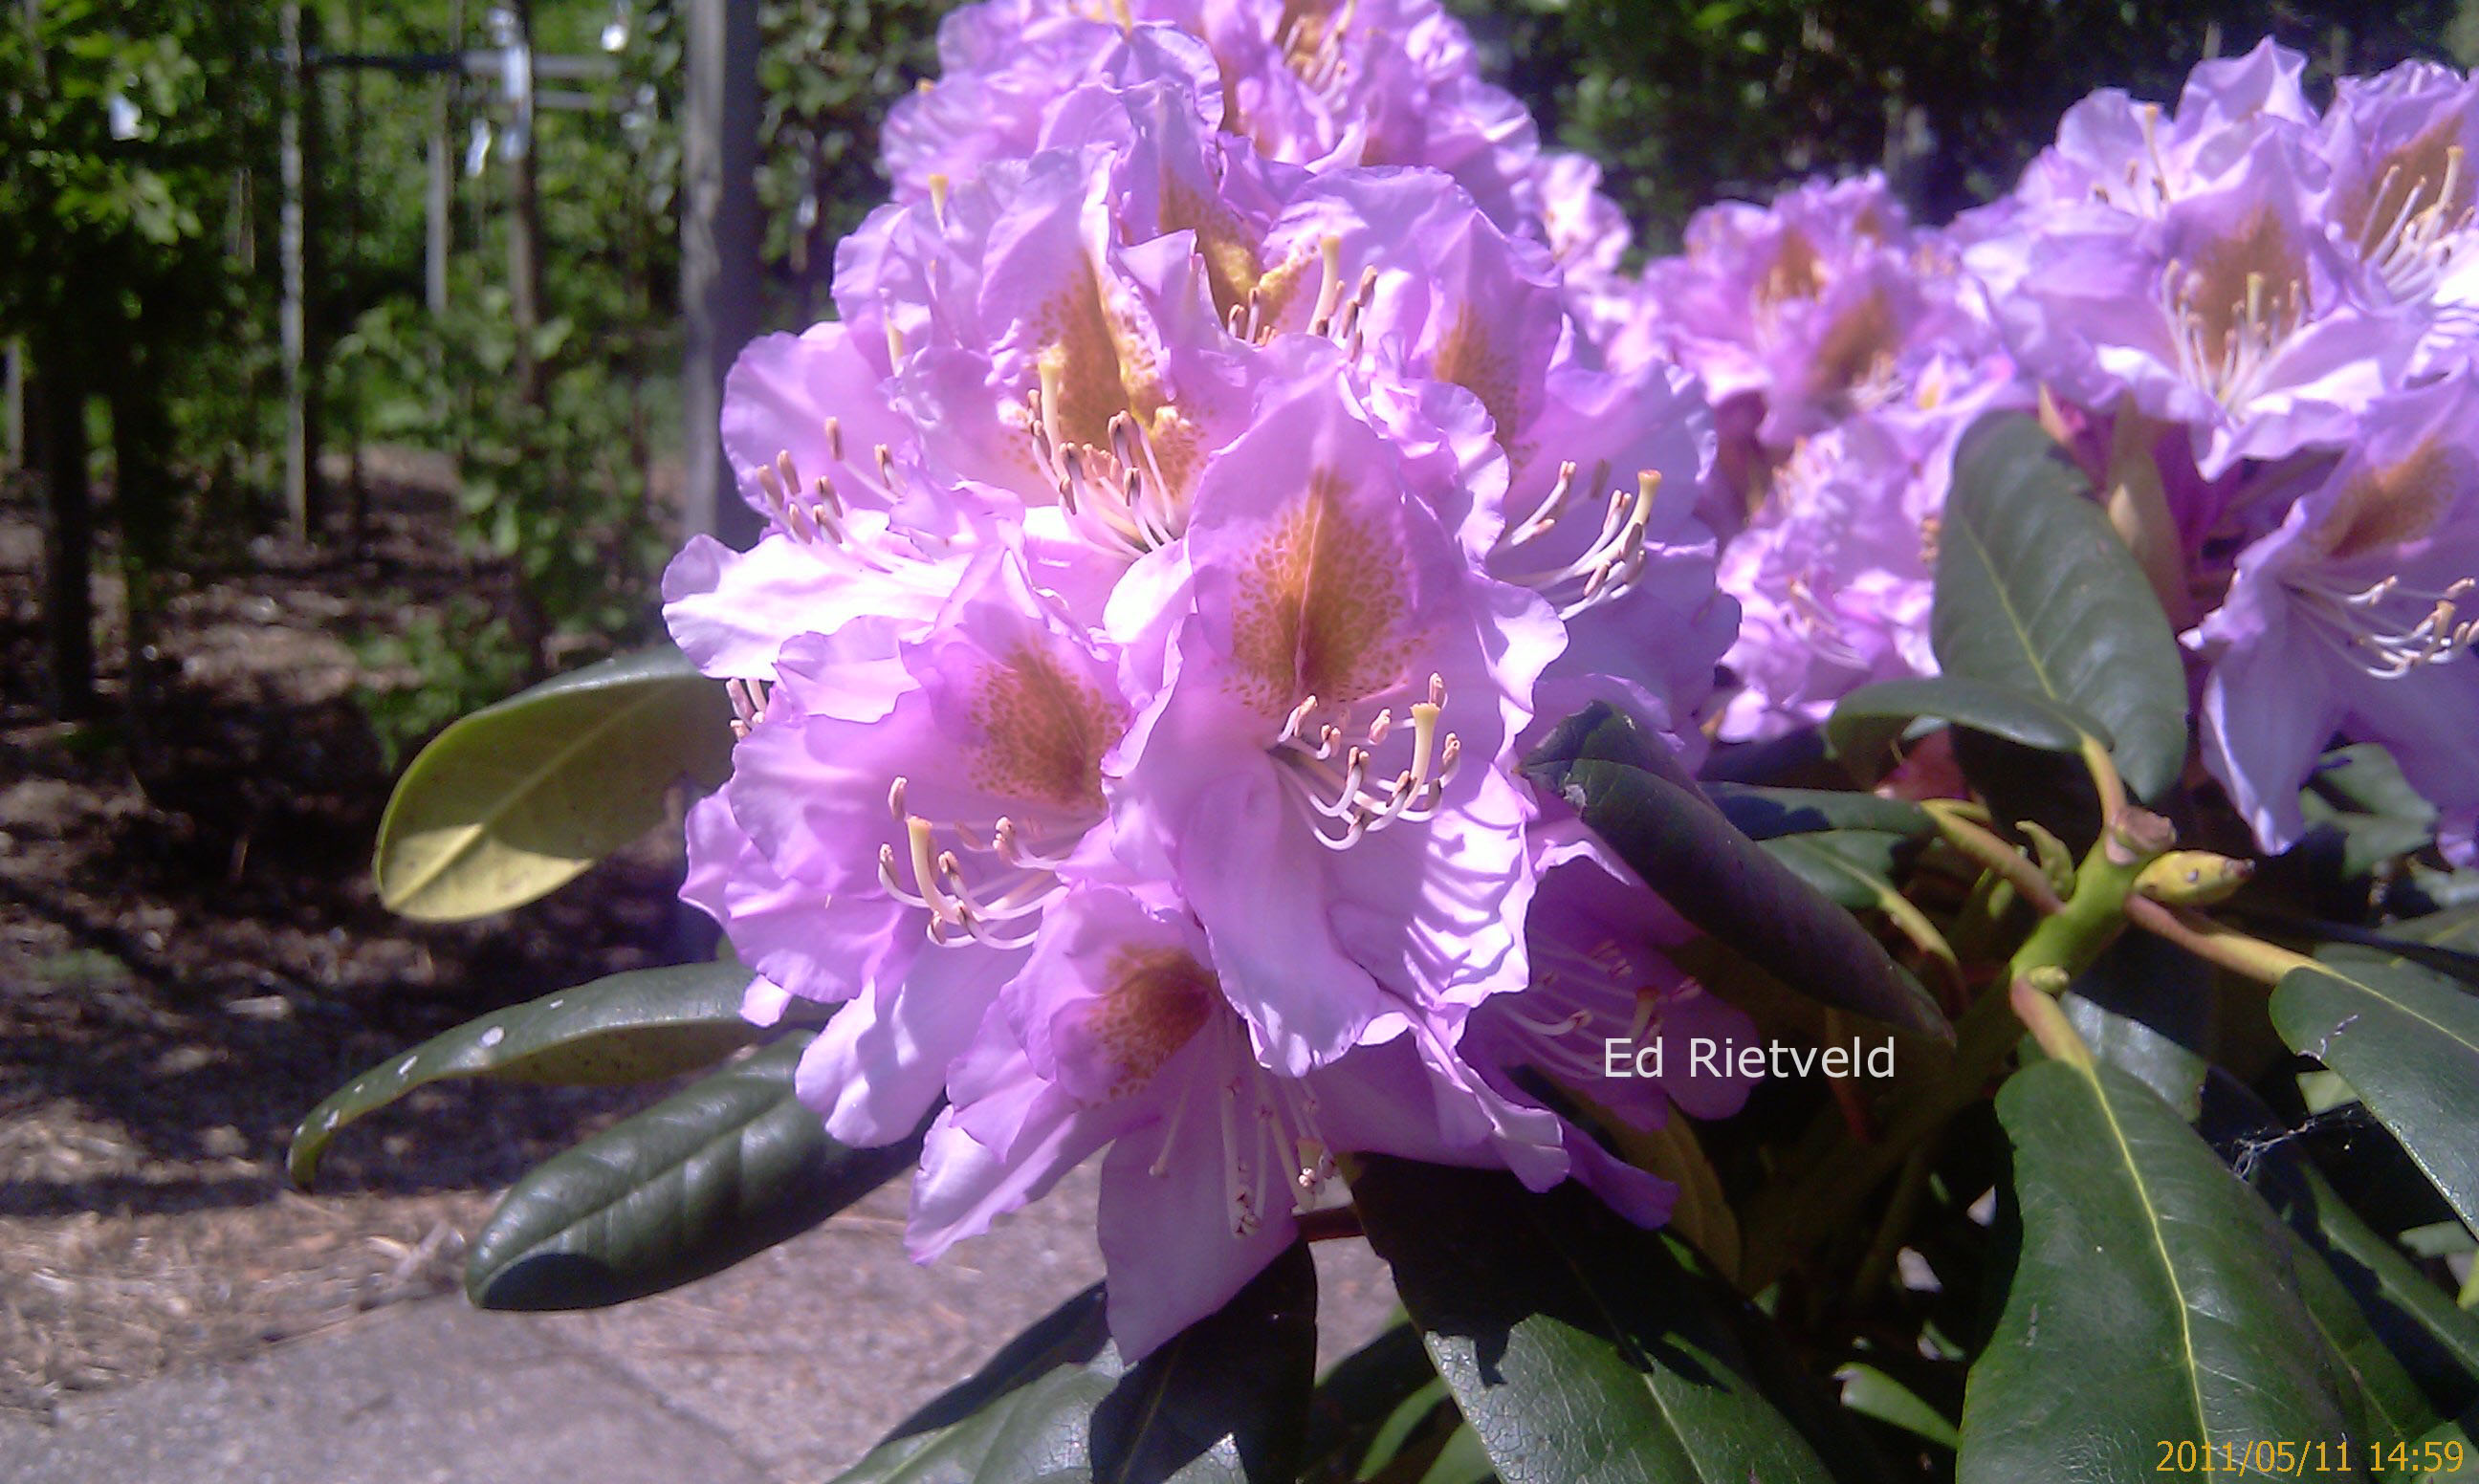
1613,562
959,912
747,705
2412,250
2388,629
2227,350
1350,798
1268,1123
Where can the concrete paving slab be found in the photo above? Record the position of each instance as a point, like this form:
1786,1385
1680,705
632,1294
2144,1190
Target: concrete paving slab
784,1369
427,1393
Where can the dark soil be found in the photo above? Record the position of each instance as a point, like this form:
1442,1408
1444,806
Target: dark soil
191,956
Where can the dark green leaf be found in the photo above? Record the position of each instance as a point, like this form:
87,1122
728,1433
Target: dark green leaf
518,797
1763,813
2450,1448
1852,868
945,1440
1357,1401
2382,1400
1717,878
726,1168
2145,1008
2407,1038
1462,1461
2455,928
1224,1401
1868,722
1577,1347
2430,1346
639,1027
1227,1398
2036,594
1412,1432
2445,942
2139,1310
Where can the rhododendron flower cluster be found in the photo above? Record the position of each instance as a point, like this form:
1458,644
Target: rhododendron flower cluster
1845,351
2252,321
2255,322
1171,551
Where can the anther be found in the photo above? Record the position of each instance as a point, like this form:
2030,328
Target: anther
773,486
1299,717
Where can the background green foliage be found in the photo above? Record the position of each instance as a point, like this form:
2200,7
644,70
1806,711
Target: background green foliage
1686,102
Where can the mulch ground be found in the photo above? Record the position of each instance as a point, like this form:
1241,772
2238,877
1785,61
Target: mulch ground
191,956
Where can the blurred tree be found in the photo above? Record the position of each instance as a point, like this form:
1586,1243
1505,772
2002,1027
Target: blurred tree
128,124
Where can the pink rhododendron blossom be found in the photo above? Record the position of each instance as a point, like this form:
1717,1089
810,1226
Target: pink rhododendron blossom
2352,619
1604,469
1833,580
2132,157
1323,87
1588,236
2230,313
1168,555
1600,979
2251,319
1117,1033
1800,302
2400,190
1847,351
1306,775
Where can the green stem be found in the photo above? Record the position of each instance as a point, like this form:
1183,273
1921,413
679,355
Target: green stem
1986,849
2070,941
2036,1007
1878,1260
2104,775
2213,942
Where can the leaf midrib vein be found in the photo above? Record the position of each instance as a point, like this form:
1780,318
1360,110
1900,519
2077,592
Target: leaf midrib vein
2161,1245
463,838
2005,601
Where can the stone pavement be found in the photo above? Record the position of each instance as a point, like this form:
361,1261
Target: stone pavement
782,1370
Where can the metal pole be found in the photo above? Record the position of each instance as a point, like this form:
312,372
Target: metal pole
440,238
524,217
718,250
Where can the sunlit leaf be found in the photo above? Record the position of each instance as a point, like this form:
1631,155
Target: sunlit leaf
2407,1038
519,798
1867,723
2141,1308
